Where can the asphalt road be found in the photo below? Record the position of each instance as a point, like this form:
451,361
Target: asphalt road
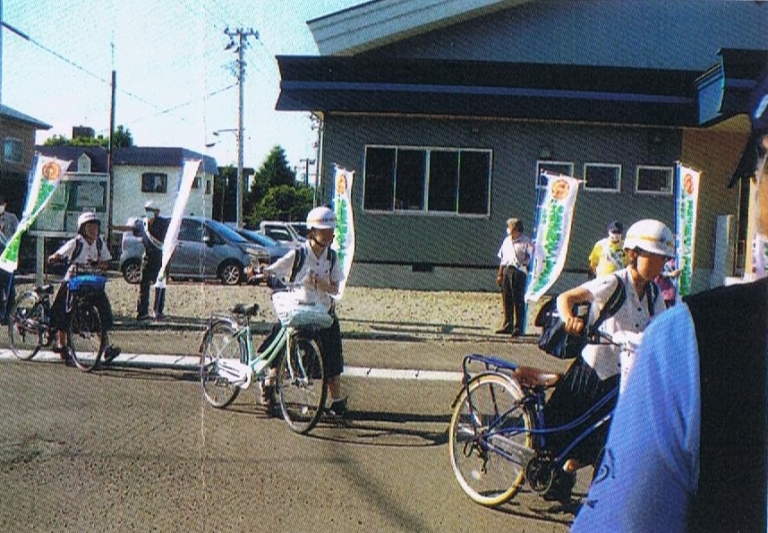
128,449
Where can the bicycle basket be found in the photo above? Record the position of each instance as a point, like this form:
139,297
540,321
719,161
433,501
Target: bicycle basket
87,283
294,311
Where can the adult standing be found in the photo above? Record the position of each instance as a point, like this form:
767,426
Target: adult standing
514,259
8,225
608,254
152,229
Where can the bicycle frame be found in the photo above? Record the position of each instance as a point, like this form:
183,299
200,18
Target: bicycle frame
532,402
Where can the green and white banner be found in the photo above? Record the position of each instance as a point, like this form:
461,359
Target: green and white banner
686,206
553,233
43,179
344,240
188,173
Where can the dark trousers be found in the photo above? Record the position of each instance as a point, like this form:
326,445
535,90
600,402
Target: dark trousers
61,313
513,298
578,390
7,294
329,340
150,268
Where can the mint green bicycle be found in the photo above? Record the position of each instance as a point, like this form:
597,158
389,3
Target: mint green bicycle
230,363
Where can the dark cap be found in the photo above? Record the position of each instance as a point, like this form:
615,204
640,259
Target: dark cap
614,226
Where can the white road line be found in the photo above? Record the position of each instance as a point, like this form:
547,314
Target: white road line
188,362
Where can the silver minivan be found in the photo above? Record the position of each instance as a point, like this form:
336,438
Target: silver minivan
207,249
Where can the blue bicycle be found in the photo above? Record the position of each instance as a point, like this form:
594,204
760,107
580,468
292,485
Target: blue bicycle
497,433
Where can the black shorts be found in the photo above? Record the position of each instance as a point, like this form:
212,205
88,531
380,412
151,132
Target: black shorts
60,318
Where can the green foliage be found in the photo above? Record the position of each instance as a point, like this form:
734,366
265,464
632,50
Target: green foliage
285,202
123,138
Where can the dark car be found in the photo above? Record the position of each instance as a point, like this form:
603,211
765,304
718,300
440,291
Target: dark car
276,249
206,249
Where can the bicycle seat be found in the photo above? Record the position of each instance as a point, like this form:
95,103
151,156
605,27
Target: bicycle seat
247,310
533,378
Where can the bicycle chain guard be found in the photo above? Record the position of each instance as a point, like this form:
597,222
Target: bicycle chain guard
235,372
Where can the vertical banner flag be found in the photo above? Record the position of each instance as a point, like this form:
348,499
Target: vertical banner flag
188,173
43,179
344,241
553,233
686,205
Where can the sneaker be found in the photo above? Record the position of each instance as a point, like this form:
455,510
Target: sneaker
143,318
338,409
159,316
268,399
64,354
111,353
560,490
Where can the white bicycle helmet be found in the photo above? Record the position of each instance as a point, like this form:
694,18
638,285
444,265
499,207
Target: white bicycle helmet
651,236
84,218
321,218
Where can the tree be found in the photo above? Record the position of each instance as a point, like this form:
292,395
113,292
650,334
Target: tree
273,172
284,202
122,137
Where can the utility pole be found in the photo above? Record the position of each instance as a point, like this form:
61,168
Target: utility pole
238,40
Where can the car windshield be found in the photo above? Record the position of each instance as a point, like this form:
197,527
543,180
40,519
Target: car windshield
260,238
226,232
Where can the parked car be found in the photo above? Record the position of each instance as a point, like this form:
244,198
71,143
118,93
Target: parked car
275,248
284,232
207,249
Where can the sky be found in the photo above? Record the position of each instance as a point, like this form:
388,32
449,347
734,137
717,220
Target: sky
176,83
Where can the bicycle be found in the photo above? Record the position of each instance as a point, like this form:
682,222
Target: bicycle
29,323
497,433
229,362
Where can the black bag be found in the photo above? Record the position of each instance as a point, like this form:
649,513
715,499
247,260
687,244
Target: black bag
555,341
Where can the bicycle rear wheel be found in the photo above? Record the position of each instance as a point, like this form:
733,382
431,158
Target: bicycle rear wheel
220,343
301,384
86,335
26,327
490,439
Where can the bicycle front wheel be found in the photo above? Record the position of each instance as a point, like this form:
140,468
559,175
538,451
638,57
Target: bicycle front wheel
26,326
86,335
490,439
219,344
301,384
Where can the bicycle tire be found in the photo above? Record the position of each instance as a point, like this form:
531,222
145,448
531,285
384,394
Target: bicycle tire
486,476
86,335
26,326
219,342
301,384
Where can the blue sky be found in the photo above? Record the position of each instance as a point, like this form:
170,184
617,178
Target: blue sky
175,80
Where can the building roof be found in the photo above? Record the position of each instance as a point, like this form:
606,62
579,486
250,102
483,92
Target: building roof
11,114
131,156
361,84
380,22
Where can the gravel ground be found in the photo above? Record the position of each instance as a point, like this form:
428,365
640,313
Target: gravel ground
361,310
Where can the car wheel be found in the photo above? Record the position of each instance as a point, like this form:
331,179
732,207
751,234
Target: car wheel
132,271
230,273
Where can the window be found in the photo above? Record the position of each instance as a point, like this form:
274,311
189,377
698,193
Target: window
652,180
190,230
13,151
196,182
553,167
602,177
207,186
436,180
154,182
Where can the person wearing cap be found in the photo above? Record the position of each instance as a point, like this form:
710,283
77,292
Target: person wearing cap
607,255
86,248
152,229
320,275
599,368
514,256
8,224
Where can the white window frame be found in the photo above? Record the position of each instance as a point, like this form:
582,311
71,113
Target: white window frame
662,192
615,166
567,166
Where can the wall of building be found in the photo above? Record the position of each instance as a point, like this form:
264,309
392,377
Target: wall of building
443,248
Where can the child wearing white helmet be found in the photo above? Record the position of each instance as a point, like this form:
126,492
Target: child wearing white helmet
601,367
86,248
314,266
